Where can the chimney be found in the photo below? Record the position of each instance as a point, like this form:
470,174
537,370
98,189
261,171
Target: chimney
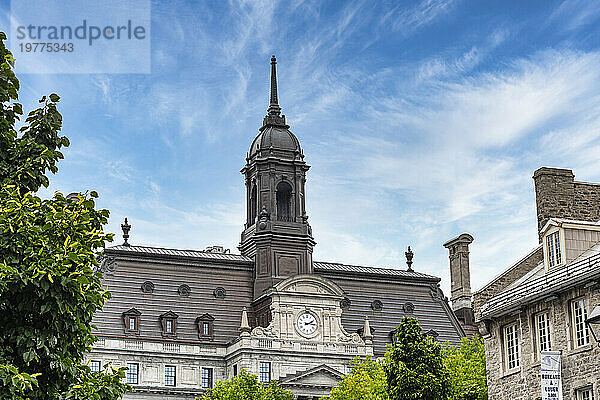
460,277
554,194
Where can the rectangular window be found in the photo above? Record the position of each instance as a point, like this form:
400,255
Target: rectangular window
170,375
542,331
585,394
205,329
132,373
511,347
553,246
169,326
95,366
581,335
265,372
235,371
207,378
132,323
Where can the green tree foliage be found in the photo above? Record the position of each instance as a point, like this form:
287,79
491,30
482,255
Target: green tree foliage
414,365
466,367
366,382
49,289
245,386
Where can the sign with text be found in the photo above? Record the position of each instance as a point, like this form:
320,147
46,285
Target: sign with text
80,36
551,376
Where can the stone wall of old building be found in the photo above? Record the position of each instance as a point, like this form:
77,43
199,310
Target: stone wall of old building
558,195
580,366
513,273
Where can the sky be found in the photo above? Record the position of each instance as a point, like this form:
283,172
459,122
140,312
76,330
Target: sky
421,120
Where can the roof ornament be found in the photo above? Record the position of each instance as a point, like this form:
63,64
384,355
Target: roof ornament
126,228
274,116
245,326
367,334
409,258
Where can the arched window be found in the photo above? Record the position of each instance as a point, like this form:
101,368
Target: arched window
253,204
284,202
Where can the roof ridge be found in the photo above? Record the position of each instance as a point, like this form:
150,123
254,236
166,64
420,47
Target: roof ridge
120,246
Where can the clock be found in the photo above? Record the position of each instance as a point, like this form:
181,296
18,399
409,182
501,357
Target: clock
307,323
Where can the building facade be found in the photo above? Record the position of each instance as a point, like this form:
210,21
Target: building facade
182,319
542,302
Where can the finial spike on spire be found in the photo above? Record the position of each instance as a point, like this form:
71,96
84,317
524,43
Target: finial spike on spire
274,100
274,117
274,108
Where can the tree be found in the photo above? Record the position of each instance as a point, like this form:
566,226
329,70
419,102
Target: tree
365,382
49,284
245,386
414,365
466,367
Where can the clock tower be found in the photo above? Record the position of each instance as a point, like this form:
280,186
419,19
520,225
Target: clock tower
277,233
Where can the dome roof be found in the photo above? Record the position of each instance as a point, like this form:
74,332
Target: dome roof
279,139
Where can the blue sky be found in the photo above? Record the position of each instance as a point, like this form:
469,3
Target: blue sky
421,120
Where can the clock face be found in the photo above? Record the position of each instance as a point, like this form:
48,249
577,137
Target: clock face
307,323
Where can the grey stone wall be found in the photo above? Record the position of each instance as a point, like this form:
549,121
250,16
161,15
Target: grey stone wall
558,195
581,366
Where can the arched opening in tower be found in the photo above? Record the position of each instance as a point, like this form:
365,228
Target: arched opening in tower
253,210
284,202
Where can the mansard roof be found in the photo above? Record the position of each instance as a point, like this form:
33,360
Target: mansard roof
586,268
322,266
372,271
177,253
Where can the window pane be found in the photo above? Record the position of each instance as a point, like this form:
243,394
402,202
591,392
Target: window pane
543,331
511,340
207,378
205,329
132,373
553,246
580,329
585,394
95,366
265,372
169,375
169,326
132,323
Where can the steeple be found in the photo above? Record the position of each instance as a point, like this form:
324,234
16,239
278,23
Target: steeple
274,117
274,108
277,233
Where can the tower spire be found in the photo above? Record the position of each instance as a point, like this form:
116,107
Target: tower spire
274,117
274,108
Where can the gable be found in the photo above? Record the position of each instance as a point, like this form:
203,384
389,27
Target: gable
320,376
309,284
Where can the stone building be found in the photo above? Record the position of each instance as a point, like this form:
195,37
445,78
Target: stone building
182,319
542,301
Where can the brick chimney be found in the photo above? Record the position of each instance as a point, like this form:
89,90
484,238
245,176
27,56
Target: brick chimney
460,277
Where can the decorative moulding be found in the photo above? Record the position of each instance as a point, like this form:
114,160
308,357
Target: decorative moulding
219,292
147,287
184,290
376,305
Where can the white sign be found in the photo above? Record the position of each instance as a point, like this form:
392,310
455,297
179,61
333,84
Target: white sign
550,374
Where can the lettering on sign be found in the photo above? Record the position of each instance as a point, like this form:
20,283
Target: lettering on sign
550,374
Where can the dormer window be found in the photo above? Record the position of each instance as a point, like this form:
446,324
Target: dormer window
205,327
553,247
168,323
131,320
